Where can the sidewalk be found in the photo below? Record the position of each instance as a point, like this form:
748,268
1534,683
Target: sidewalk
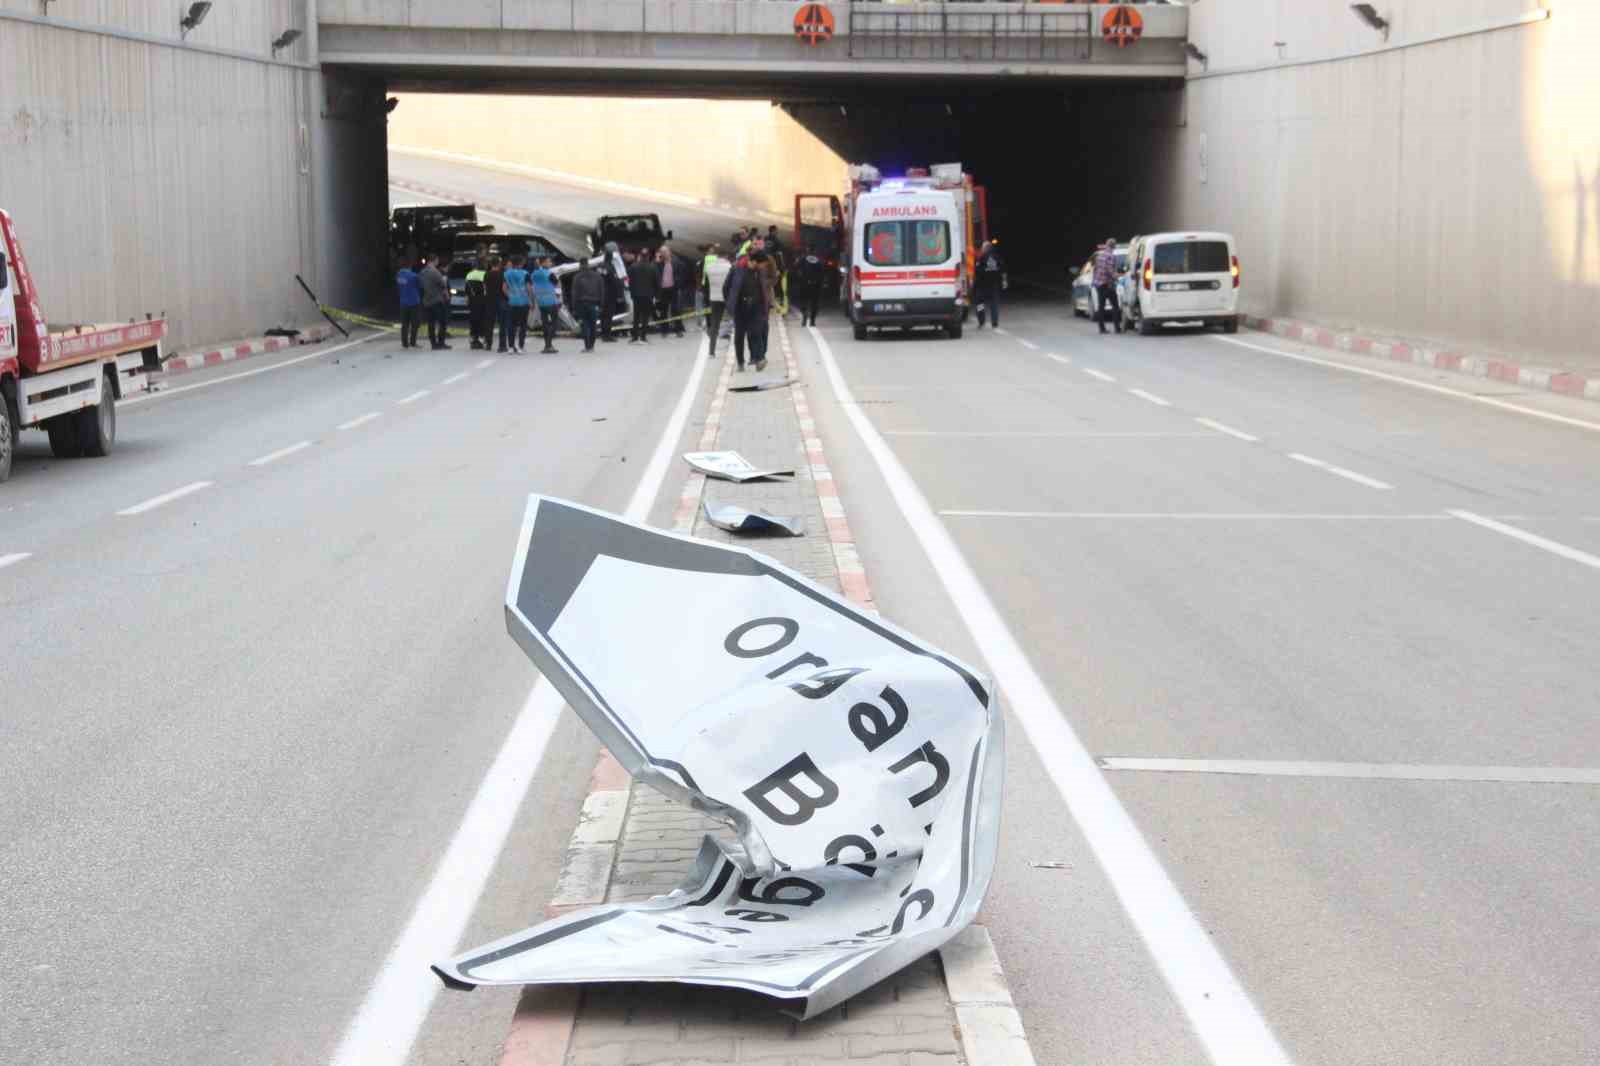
632,844
244,349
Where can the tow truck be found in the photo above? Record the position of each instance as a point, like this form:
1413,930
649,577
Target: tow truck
63,379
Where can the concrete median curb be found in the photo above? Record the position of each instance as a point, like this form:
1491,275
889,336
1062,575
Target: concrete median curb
244,349
1493,368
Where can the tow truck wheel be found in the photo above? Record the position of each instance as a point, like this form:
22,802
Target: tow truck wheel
8,436
97,425
65,442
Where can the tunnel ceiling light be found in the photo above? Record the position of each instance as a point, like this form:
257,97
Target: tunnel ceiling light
197,14
284,40
1369,14
1196,55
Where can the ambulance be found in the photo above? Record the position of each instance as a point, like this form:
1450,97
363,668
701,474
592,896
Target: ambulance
910,255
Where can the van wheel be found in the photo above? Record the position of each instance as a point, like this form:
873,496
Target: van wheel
8,436
1146,327
861,332
97,425
1230,325
65,443
953,330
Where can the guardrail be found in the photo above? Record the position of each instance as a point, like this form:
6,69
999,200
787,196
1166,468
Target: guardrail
972,35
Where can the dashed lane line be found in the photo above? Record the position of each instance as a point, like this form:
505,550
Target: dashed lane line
413,398
1229,430
361,421
1058,358
1032,347
453,378
165,498
1152,397
281,453
1545,543
1339,471
484,364
1099,375
13,559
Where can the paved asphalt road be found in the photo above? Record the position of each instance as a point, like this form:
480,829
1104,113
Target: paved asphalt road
241,726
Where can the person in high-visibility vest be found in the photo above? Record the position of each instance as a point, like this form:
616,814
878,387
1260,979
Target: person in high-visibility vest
477,305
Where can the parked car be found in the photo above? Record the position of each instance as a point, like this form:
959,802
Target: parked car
1183,279
470,246
632,233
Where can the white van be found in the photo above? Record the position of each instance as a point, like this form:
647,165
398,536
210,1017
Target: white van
1189,279
907,249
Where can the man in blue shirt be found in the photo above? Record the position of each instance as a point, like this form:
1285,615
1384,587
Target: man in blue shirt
514,327
547,294
410,287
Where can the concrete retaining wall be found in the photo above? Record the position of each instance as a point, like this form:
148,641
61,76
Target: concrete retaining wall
726,152
1443,190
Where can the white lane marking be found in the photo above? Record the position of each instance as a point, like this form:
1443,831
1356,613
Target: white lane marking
1026,343
1057,358
1428,386
1098,375
272,457
1553,547
1152,397
1042,433
413,398
1224,1019
1000,331
179,390
166,497
1339,471
13,558
1215,516
1548,775
386,1025
1229,430
453,378
361,421
484,364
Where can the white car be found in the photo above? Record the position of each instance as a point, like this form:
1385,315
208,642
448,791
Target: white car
1182,279
1084,299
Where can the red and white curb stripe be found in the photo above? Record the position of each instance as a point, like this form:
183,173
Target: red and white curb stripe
1528,377
990,1028
180,364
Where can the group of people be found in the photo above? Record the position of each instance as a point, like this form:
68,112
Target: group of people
736,295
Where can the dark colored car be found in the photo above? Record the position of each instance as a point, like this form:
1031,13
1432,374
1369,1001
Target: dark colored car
632,233
470,246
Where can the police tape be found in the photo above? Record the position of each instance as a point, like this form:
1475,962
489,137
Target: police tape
360,320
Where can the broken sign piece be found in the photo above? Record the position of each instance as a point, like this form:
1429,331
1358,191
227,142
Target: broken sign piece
763,386
736,519
730,466
860,767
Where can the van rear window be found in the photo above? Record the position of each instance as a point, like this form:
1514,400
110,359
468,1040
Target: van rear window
925,242
1191,257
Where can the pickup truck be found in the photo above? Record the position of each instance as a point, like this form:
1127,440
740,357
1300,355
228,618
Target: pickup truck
632,233
63,379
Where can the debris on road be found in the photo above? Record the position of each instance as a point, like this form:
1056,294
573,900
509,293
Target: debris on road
730,466
860,767
736,519
763,386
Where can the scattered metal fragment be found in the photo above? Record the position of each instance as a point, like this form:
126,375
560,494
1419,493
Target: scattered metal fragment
730,466
736,519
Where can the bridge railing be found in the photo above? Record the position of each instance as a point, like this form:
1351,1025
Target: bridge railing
919,33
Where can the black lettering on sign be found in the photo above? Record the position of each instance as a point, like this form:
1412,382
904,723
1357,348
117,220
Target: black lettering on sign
803,659
830,854
734,642
941,771
745,915
922,896
773,894
785,781
871,727
825,683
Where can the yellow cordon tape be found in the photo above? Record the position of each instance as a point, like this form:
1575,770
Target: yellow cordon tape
360,320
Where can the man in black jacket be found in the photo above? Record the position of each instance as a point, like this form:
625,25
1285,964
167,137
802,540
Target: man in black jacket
588,293
808,276
644,283
746,297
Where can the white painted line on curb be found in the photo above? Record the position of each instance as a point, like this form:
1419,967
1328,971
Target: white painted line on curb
453,378
1224,1019
163,393
1339,471
1553,547
484,364
363,420
1229,430
272,457
166,497
1152,397
1099,375
1428,386
413,398
1246,516
13,558
395,1006
1546,775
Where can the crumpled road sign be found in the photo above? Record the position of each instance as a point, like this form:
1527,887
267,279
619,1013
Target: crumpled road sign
860,767
736,519
730,466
